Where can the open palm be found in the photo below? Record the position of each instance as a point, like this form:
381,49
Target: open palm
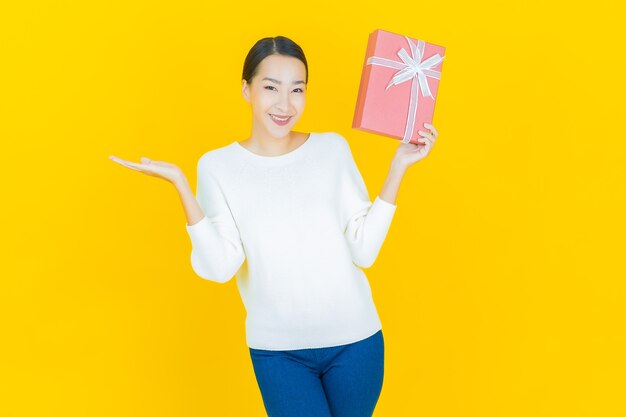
160,169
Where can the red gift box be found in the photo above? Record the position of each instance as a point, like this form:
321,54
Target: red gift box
399,84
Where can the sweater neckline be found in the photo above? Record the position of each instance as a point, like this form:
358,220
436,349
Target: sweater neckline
277,158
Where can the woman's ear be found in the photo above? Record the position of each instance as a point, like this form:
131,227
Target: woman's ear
245,91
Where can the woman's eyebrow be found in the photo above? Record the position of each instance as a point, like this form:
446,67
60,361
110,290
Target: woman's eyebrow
278,82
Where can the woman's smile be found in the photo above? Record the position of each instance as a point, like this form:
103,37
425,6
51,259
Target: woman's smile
281,121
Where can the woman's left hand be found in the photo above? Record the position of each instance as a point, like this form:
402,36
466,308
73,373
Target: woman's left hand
409,153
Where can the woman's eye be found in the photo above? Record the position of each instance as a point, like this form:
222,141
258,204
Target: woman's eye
269,87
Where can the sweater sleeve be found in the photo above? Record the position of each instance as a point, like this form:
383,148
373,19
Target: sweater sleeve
365,223
217,251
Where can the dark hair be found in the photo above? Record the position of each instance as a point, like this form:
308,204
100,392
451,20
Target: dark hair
278,45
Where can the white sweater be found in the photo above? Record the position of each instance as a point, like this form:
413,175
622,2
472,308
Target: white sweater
295,229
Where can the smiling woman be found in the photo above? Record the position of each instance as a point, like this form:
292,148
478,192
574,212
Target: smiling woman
349,337
274,79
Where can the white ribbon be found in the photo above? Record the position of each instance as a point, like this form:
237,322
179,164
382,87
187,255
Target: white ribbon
411,68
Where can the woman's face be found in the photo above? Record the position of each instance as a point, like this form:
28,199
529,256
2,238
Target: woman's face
277,89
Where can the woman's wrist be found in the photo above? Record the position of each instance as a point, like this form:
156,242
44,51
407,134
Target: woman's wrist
397,168
180,182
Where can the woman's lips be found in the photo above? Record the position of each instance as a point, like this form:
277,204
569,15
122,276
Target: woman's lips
280,122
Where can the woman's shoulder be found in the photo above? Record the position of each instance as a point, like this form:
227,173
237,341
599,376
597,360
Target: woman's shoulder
330,133
333,138
217,157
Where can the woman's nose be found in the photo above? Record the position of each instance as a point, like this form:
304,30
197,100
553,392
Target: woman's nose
283,103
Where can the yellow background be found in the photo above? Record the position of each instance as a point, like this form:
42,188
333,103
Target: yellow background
500,285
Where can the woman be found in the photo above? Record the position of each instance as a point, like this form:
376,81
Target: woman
288,213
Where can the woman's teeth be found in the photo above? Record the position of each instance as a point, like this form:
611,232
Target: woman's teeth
280,121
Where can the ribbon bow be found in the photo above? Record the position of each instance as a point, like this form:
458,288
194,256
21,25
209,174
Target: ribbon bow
411,68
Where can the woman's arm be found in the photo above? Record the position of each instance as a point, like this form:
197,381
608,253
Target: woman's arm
216,248
365,223
193,211
217,252
389,192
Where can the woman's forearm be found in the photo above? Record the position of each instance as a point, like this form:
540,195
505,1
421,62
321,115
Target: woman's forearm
389,192
193,211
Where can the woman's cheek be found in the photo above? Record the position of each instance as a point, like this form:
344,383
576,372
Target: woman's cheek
300,100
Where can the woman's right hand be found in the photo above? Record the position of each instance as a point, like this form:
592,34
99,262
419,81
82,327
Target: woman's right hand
160,169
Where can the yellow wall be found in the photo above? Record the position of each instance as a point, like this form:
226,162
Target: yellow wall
501,283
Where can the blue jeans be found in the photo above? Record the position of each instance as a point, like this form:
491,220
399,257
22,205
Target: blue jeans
336,381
